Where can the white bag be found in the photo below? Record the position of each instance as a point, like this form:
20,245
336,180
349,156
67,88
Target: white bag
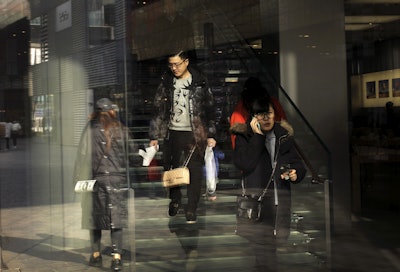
211,170
148,154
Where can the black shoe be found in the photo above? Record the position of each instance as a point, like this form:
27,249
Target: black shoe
173,208
96,261
191,217
116,265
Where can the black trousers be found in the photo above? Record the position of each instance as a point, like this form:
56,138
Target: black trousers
176,149
14,136
116,240
8,142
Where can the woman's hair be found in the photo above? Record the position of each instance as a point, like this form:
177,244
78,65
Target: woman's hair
253,90
259,105
108,120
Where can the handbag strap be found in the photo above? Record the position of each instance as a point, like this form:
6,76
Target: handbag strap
189,156
269,182
264,192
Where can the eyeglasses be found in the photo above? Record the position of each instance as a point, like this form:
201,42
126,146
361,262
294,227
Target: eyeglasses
264,115
176,65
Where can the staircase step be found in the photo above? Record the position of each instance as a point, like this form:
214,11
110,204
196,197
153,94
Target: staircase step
145,184
192,263
205,242
166,243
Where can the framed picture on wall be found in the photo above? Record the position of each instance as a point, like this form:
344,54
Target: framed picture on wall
383,88
396,87
371,89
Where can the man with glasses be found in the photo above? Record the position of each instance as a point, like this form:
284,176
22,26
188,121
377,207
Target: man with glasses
184,117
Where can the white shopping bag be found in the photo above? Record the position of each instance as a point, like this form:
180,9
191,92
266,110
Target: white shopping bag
211,170
149,154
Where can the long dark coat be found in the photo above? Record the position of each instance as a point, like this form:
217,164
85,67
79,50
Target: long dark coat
106,207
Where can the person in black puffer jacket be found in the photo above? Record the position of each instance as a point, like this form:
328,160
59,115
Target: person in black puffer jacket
266,155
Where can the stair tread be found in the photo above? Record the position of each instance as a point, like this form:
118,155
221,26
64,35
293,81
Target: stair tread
163,242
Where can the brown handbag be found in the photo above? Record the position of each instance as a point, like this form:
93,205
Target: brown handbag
178,176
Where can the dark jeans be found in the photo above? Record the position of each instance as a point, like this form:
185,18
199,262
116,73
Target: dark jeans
116,240
176,149
14,136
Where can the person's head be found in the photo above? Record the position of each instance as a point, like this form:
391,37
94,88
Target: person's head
178,64
389,105
252,90
106,113
264,112
105,108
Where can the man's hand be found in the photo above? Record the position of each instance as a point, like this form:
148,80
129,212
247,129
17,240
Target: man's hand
153,143
211,142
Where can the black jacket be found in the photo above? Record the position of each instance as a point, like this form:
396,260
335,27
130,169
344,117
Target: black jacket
201,103
252,157
107,206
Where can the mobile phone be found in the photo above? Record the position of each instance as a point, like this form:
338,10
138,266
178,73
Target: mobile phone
259,126
285,169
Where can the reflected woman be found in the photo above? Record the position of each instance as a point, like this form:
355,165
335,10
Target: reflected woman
101,158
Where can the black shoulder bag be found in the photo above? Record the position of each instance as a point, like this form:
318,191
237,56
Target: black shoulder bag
249,207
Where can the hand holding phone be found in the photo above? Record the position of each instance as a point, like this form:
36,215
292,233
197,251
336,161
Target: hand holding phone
255,126
285,170
288,172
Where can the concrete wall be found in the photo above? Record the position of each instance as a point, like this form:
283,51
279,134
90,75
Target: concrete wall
313,72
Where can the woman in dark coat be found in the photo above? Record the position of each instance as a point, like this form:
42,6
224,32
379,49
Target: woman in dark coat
264,149
101,156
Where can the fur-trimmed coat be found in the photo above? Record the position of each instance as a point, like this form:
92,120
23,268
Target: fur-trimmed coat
201,103
253,159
